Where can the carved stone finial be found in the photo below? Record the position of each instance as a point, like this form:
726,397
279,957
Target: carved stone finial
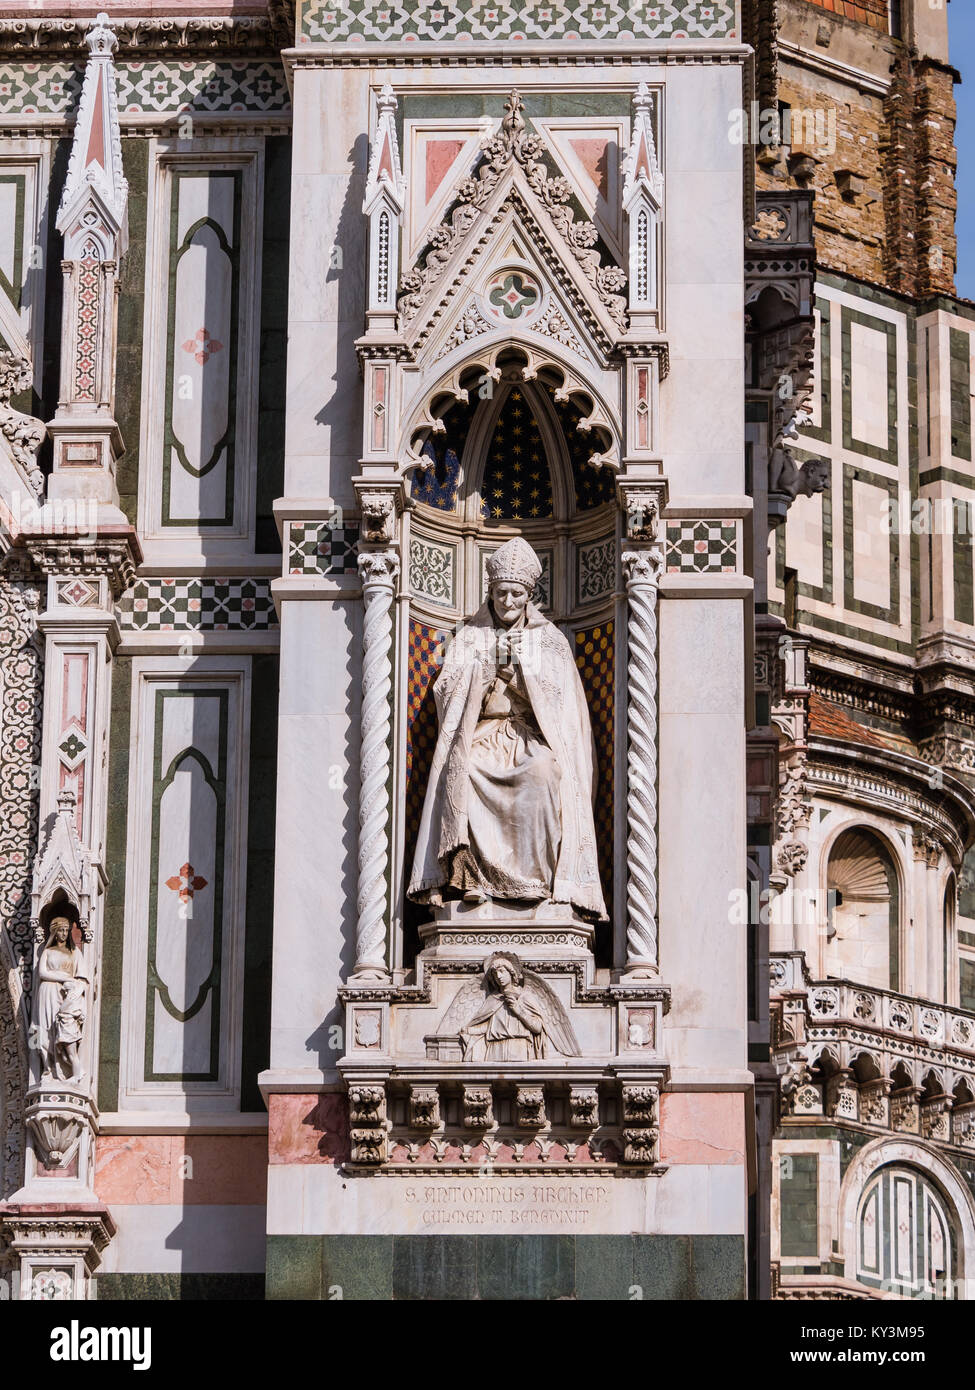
386,102
513,124
101,39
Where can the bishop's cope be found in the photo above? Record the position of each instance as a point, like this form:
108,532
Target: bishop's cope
508,809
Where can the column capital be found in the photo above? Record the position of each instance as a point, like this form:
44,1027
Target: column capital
378,569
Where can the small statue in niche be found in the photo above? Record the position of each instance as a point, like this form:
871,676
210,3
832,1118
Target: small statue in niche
508,807
512,1015
58,1020
70,1027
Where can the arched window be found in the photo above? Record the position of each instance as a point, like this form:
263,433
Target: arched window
905,1235
863,928
512,460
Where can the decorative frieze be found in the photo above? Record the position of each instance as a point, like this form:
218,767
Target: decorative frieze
220,604
150,87
322,547
424,1107
322,21
478,1112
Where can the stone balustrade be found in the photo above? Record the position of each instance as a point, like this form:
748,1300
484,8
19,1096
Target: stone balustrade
853,1053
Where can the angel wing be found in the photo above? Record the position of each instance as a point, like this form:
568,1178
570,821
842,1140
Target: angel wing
461,1008
558,1029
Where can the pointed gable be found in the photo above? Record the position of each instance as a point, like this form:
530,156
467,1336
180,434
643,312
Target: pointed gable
511,190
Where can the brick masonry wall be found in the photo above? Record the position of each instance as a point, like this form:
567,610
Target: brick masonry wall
919,162
885,201
872,12
850,230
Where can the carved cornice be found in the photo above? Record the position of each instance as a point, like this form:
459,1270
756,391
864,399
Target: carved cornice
116,557
34,37
895,785
526,54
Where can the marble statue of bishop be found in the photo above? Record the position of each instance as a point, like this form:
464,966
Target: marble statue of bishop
508,808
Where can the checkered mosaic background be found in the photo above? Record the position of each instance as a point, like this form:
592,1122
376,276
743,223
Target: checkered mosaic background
702,547
318,548
596,659
423,665
203,605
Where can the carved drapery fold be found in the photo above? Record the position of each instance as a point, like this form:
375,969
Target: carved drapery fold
378,571
641,571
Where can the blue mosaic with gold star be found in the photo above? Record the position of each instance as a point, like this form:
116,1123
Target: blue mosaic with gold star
593,486
438,486
517,485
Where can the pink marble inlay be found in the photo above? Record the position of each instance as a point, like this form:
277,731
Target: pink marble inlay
702,1127
149,1169
308,1129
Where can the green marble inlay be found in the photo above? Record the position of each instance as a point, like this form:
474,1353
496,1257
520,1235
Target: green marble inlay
960,366
113,922
515,1268
961,560
180,1288
799,1203
824,431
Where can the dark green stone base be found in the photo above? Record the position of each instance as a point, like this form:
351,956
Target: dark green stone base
180,1288
470,1268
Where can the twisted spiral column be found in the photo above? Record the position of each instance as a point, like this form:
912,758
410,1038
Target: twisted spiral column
378,571
641,570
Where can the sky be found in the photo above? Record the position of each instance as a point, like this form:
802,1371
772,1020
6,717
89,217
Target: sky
961,21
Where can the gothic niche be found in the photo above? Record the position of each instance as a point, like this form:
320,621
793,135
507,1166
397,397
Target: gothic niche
59,1110
512,461
503,1033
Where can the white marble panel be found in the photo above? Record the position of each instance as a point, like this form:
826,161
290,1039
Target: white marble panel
169,1239
689,1199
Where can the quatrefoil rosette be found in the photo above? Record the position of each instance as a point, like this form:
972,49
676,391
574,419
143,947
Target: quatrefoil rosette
512,296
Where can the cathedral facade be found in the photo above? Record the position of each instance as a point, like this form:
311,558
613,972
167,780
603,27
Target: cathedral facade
487,767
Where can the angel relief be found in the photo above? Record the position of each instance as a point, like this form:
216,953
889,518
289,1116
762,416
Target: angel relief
510,1015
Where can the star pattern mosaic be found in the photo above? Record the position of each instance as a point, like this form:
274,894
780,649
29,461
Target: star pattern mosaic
593,486
595,658
205,605
517,485
702,547
385,20
154,86
438,487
